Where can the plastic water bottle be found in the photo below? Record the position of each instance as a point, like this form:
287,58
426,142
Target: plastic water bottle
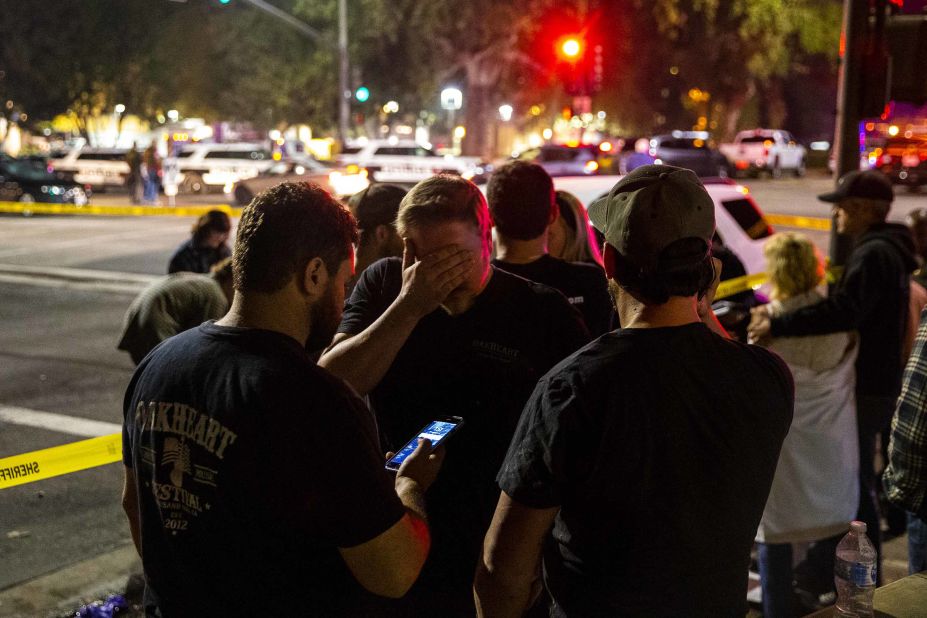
855,572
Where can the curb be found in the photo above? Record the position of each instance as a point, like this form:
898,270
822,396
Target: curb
63,591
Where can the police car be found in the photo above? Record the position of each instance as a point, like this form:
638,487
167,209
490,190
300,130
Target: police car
100,168
205,167
740,222
408,162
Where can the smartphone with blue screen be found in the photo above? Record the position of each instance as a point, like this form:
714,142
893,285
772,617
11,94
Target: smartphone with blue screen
437,431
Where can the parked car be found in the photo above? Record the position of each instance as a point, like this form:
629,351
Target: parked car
903,160
25,180
740,222
407,162
211,167
101,168
692,150
339,181
765,150
564,160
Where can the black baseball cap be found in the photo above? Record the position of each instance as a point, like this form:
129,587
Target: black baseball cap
650,209
866,184
376,205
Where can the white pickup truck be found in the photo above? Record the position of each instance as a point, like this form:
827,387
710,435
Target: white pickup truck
765,150
407,162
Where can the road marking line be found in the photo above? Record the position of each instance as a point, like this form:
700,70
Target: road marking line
45,247
73,425
39,208
78,274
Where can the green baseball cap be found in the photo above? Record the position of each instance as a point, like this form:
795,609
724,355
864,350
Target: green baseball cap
650,209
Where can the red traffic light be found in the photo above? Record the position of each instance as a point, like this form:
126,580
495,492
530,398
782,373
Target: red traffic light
570,47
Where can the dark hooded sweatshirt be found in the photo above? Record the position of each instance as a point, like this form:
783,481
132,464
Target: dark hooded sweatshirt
872,298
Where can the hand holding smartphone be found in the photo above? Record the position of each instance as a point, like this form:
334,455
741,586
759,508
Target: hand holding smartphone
437,431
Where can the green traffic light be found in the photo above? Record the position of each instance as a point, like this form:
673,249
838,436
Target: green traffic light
362,94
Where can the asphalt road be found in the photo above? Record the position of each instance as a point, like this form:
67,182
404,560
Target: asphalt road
57,355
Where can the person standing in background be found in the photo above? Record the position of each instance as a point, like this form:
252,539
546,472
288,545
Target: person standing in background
151,174
570,237
206,246
134,181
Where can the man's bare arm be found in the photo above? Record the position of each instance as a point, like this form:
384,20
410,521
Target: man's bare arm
508,572
389,564
362,360
130,506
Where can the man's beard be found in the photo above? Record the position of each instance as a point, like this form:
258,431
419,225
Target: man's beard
325,316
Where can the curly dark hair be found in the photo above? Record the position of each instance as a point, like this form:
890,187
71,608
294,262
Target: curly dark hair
285,227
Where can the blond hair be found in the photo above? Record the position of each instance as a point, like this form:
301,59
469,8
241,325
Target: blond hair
580,243
794,265
441,199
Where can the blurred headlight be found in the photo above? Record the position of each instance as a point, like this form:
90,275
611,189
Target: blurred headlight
348,184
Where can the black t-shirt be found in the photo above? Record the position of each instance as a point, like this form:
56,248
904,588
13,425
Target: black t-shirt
190,257
584,285
659,446
481,365
253,466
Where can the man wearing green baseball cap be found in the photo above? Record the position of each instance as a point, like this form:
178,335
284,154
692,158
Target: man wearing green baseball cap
647,456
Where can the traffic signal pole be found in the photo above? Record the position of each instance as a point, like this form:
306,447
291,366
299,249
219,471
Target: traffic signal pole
849,95
344,91
344,95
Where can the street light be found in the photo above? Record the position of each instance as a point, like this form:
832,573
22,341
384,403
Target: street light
118,110
451,100
505,112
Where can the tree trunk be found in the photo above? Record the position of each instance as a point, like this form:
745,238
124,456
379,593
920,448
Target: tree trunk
482,72
477,141
774,105
733,110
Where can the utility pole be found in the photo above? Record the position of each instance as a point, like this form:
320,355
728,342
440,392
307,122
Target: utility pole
850,83
344,91
344,102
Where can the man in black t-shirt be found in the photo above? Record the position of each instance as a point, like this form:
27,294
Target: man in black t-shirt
443,332
253,478
651,451
375,209
522,205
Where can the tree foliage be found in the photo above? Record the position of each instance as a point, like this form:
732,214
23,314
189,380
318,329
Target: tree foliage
236,63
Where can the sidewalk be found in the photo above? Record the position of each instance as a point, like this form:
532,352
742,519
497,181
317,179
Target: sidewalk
62,592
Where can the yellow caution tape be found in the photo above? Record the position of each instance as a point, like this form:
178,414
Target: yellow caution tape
58,460
808,223
740,284
730,287
40,208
